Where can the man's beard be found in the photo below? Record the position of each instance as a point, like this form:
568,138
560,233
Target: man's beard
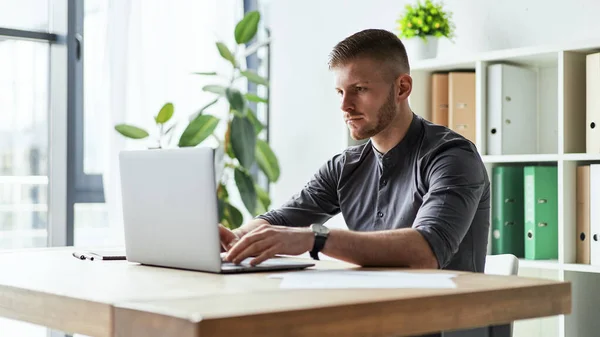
385,115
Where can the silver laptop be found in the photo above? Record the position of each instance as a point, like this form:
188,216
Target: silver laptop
170,212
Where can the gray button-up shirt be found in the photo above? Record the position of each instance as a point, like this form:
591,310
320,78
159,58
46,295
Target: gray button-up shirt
433,181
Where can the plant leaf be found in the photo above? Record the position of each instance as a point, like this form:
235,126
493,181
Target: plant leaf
258,126
226,53
233,215
245,186
263,197
221,208
214,88
165,113
254,98
243,140
227,142
131,131
193,116
222,192
208,73
254,77
247,27
198,130
267,161
236,100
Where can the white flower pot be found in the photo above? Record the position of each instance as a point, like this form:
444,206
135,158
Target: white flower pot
417,49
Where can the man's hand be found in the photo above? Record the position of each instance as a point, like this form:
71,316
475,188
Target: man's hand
266,241
228,238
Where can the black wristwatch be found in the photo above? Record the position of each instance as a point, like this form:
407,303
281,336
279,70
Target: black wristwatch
321,233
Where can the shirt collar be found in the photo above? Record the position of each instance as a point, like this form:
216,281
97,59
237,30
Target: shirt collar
404,146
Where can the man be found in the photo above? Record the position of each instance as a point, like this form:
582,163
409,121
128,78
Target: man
414,195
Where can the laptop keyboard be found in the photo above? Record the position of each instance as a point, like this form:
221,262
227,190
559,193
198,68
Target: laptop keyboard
246,264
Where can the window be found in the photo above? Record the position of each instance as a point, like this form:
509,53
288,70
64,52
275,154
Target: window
24,14
23,143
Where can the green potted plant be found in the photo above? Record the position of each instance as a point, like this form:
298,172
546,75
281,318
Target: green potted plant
422,25
240,147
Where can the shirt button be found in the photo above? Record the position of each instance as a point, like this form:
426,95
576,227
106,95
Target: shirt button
379,214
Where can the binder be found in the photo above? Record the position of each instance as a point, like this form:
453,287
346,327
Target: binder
508,211
511,107
592,103
582,224
541,212
595,214
461,104
439,99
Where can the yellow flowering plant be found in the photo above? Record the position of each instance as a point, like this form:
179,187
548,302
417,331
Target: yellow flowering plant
425,20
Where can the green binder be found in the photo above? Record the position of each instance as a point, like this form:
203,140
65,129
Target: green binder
508,211
541,212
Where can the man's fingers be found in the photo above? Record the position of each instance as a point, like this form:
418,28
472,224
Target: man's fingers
244,242
227,237
254,249
267,254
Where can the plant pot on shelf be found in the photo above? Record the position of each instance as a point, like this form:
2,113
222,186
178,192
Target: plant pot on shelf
421,49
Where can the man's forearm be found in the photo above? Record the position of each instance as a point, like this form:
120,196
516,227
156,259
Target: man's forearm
392,248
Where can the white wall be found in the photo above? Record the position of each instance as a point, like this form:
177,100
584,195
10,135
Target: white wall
306,122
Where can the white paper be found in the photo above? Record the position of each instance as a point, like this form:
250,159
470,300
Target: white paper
346,279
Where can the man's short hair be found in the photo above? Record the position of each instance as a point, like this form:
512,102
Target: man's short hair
377,44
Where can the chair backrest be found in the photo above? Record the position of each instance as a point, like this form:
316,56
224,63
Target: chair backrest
502,264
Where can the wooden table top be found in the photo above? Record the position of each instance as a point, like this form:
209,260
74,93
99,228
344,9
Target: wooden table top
105,298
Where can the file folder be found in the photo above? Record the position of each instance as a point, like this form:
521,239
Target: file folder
582,224
595,214
541,212
511,107
439,99
592,100
508,211
461,104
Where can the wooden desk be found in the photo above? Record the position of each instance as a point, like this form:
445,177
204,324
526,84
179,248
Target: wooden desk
117,298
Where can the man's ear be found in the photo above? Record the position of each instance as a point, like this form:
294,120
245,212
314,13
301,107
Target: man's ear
404,85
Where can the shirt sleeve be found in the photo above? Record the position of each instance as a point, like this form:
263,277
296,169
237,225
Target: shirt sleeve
317,202
457,180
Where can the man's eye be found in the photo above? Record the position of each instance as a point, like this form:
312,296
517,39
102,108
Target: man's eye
359,89
339,92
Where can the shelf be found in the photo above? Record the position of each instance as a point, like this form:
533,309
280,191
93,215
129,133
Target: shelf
581,156
581,267
560,126
540,55
442,65
539,264
520,158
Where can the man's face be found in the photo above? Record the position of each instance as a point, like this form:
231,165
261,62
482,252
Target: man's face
367,99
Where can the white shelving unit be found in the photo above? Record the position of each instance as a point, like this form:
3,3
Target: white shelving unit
561,121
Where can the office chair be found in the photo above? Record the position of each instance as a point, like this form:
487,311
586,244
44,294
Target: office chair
502,264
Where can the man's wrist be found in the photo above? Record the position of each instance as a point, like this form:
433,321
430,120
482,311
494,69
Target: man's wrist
310,239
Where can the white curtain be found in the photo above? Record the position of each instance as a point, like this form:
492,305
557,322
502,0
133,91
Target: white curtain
151,49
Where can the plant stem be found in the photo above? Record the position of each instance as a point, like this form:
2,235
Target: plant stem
161,135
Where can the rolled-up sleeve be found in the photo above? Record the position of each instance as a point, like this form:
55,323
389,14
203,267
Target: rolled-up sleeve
457,180
317,202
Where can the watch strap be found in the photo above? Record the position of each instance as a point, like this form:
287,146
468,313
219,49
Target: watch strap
318,246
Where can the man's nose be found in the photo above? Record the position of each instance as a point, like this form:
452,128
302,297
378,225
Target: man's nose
347,104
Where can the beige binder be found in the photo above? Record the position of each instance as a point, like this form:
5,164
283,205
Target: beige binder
461,107
592,88
439,99
583,215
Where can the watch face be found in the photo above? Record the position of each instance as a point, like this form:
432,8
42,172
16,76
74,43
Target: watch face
320,229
